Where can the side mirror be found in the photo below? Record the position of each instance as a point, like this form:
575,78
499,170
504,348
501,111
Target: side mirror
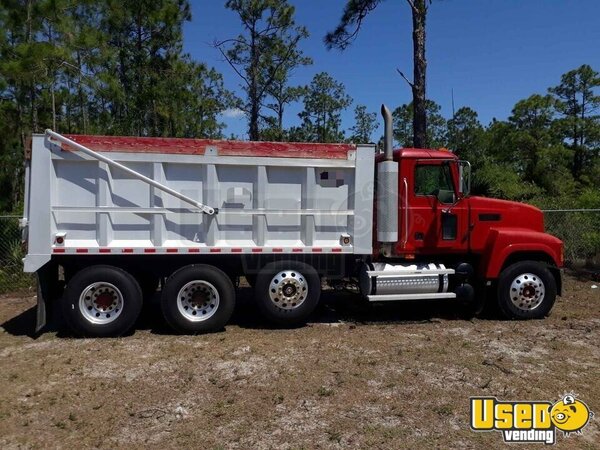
464,175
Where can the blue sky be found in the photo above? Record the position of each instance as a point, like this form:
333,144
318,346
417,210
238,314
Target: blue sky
491,52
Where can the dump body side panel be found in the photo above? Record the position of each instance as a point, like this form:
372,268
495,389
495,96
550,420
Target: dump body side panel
266,204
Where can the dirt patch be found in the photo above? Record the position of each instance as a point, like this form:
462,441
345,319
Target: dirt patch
387,376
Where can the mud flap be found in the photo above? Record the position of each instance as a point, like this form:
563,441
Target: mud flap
47,281
41,305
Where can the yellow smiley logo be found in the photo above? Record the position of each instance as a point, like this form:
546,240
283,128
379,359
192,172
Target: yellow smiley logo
570,415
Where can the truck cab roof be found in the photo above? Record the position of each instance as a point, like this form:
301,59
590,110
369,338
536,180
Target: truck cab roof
424,153
419,153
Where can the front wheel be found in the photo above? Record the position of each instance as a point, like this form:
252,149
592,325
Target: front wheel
287,292
198,299
526,290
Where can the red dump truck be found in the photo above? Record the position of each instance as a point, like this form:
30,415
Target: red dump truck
108,220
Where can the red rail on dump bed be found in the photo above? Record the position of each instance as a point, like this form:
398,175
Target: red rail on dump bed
198,147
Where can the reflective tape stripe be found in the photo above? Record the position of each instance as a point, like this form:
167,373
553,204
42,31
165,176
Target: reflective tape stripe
164,250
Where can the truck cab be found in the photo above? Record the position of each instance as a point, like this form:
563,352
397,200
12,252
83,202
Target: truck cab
500,244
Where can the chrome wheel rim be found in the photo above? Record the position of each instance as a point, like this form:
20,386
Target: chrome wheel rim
101,303
288,289
198,300
527,291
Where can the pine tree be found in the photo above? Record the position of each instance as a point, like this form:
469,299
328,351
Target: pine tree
435,136
365,124
465,135
113,67
324,101
578,103
353,16
263,55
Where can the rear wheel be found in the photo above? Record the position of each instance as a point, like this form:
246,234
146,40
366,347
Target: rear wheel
526,290
102,301
198,299
287,292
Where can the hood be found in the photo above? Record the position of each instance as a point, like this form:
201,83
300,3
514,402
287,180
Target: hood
506,213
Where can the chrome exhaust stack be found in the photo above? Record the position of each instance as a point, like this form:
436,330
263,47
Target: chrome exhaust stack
388,133
387,189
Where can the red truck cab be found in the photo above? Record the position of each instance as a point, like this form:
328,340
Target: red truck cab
439,221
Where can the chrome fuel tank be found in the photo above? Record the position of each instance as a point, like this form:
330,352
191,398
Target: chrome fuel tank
421,278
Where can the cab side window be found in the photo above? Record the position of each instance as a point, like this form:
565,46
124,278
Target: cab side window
432,179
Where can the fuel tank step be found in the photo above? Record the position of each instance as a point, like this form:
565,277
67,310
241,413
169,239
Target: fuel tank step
410,273
395,297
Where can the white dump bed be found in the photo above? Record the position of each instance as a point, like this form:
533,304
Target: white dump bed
267,197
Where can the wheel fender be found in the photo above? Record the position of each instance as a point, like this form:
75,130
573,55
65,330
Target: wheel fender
506,242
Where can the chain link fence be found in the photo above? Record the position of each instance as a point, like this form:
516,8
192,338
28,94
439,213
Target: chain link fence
12,277
578,228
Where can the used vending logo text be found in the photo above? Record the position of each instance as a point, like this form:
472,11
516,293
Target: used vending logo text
529,421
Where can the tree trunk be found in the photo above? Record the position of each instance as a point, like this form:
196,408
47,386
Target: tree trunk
82,108
280,120
52,81
32,92
253,132
53,106
419,14
140,118
576,150
17,182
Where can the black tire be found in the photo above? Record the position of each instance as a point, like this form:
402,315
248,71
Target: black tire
519,288
186,314
273,310
112,320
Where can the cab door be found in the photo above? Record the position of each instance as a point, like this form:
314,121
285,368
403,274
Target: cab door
433,218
